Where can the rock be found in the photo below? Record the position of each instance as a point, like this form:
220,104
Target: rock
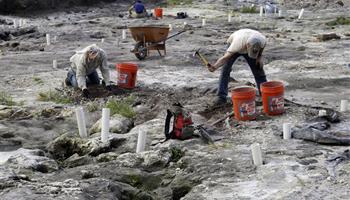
7,177
32,159
327,36
131,160
155,159
5,112
76,160
180,187
87,174
106,157
66,145
117,124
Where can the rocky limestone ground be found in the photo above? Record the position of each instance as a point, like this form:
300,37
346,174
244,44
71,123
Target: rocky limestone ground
43,157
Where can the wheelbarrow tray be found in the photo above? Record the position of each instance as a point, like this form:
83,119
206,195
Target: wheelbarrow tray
149,34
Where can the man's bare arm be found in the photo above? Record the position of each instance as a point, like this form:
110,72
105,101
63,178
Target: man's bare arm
221,61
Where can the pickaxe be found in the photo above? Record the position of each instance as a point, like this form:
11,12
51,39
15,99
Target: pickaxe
203,59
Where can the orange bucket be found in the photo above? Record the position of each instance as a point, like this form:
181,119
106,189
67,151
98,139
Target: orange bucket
158,12
127,73
243,99
273,97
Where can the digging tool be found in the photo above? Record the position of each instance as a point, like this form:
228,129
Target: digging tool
201,57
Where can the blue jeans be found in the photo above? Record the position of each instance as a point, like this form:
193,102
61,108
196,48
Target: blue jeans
92,78
258,72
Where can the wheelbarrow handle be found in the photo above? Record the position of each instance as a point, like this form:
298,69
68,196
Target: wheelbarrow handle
174,35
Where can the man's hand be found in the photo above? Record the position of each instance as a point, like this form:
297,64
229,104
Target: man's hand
86,93
211,68
259,63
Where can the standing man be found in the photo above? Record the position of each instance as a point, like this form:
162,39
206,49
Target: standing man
83,69
249,44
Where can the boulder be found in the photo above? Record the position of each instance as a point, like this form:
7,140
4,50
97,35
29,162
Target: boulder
155,159
31,159
117,124
66,145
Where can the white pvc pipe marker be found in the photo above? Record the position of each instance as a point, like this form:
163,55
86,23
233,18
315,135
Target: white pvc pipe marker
229,18
301,13
81,122
170,27
54,64
48,39
204,22
280,13
123,34
141,141
261,11
256,153
343,105
287,131
105,124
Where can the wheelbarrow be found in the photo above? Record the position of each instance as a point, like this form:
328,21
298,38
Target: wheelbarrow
150,38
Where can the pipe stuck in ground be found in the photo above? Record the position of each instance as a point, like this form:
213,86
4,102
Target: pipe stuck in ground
54,64
141,141
256,154
48,39
301,13
81,122
343,105
287,131
123,34
105,124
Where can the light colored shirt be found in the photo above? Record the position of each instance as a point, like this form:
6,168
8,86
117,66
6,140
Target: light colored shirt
83,67
238,40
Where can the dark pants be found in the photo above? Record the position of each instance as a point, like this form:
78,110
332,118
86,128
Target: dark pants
258,72
91,79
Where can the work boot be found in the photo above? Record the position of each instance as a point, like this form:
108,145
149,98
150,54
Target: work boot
67,82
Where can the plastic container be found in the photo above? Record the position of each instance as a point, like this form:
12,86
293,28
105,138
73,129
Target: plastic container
243,99
127,73
273,97
158,12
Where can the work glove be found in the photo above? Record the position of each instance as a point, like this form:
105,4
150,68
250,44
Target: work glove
108,87
86,93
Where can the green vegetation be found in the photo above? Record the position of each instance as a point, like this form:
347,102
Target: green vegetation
6,99
339,21
179,2
54,96
122,107
176,154
249,10
38,80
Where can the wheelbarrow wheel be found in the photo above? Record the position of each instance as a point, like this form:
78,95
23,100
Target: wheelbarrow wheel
140,51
